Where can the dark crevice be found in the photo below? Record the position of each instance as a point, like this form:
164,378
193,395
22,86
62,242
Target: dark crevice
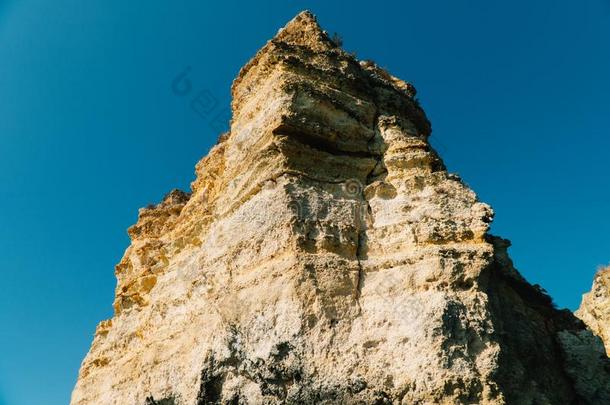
362,217
165,401
274,375
210,391
318,143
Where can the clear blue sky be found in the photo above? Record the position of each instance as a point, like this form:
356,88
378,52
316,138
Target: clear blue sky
518,94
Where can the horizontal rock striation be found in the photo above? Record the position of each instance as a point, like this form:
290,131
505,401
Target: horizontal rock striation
325,255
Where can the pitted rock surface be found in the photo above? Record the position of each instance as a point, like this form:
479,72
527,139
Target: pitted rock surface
326,256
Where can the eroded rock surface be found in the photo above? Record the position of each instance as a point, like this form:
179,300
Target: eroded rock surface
325,255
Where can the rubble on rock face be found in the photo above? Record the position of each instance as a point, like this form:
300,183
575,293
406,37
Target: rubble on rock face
325,255
595,307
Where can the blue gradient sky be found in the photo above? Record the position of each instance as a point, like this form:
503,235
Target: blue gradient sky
90,131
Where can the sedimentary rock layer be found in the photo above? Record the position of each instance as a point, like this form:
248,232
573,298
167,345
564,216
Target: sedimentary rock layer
325,255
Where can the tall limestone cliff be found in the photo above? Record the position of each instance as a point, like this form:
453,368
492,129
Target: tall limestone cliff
326,256
595,307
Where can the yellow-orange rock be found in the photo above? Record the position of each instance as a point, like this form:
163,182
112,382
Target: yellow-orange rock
595,307
326,256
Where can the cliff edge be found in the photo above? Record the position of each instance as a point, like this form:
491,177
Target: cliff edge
325,255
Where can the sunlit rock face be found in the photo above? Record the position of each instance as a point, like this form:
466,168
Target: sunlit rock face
595,307
325,256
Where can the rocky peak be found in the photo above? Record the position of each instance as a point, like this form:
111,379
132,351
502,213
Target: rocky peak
327,256
304,31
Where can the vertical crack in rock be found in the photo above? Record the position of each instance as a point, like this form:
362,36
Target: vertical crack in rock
363,215
325,256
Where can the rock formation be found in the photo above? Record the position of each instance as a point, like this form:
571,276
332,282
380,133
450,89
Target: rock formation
324,256
595,307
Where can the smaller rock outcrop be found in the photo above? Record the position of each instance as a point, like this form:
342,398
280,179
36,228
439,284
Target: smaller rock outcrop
595,307
147,251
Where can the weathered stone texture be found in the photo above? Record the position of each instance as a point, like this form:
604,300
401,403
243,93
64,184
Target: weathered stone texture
595,307
325,255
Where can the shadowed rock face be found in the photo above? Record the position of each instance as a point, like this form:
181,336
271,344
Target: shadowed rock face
325,255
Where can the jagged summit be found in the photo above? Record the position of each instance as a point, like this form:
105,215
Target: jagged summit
304,30
326,256
301,58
